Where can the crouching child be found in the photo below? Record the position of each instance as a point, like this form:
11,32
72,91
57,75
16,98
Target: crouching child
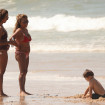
94,86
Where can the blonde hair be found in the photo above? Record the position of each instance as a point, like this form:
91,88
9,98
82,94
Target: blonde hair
18,21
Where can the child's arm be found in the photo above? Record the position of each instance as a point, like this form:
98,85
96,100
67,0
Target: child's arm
90,91
86,91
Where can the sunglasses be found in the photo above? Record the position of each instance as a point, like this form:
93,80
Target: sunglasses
25,22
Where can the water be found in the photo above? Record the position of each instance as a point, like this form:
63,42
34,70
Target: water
51,7
62,27
59,66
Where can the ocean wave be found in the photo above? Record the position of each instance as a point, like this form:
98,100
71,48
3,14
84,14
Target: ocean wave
63,48
61,22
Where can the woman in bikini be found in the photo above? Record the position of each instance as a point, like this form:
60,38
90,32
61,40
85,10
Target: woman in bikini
3,48
22,38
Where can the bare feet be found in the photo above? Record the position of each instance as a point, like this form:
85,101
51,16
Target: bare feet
28,93
22,93
3,95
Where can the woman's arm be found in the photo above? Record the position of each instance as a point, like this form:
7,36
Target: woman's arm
16,37
13,43
2,42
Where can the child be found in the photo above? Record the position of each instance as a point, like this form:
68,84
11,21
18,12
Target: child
93,85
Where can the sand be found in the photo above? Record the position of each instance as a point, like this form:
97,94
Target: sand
45,93
52,88
50,100
79,98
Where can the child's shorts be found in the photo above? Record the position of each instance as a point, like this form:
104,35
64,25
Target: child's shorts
96,96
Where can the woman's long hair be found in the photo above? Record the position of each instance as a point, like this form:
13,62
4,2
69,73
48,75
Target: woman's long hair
18,21
3,13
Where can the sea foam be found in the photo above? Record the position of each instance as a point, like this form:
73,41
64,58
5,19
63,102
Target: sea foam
61,22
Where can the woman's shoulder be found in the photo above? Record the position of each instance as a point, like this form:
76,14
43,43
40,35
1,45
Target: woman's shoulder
18,30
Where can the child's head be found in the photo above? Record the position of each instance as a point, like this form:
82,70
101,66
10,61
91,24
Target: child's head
88,74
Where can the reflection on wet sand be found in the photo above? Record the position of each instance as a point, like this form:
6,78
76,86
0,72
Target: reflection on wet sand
1,100
23,101
27,100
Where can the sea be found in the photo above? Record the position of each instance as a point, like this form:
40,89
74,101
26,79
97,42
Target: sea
68,36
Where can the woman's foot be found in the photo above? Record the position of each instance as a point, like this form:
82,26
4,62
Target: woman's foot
3,95
23,93
28,93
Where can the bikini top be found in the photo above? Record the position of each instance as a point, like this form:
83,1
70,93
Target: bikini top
26,39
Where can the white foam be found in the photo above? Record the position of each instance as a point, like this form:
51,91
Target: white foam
63,48
61,22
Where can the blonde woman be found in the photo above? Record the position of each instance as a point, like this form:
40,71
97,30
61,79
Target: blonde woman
22,38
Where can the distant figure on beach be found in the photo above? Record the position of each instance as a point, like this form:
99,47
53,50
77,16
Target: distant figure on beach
94,85
22,38
3,48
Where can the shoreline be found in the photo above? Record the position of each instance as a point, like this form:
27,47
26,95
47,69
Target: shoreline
55,72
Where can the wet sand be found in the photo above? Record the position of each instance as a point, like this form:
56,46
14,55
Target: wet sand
49,79
46,93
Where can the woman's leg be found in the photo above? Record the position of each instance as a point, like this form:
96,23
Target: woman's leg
3,64
27,63
24,79
23,62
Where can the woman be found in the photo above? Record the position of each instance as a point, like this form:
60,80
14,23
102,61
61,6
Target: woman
22,38
3,48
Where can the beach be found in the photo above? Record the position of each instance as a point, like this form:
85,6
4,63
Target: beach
68,37
49,93
53,79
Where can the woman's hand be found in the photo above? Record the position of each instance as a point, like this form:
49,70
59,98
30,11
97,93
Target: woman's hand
13,43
